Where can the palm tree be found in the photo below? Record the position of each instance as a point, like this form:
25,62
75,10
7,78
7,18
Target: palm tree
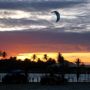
45,57
0,53
78,63
4,54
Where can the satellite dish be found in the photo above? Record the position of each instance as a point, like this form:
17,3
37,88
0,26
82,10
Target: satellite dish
57,15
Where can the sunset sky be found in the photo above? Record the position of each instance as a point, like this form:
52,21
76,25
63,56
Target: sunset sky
28,26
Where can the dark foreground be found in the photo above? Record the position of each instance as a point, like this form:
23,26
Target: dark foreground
70,86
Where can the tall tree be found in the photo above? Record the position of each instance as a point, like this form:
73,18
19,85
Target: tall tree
60,59
0,53
61,62
78,64
34,57
3,54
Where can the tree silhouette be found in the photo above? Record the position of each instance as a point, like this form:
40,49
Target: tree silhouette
34,57
39,60
45,57
78,63
13,58
51,61
4,54
61,62
0,53
60,59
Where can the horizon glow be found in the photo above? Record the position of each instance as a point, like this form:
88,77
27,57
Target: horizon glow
84,57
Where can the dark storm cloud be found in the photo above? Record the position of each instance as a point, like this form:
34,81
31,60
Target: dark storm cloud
53,5
35,10
45,41
40,37
56,36
42,5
